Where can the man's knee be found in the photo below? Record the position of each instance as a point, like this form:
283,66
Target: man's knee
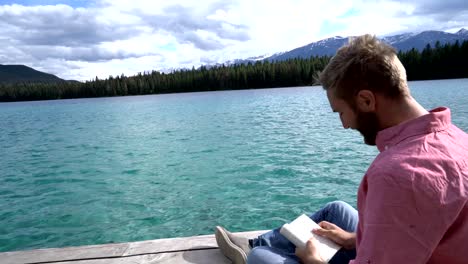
337,205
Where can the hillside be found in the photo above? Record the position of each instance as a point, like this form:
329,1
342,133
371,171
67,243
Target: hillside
22,73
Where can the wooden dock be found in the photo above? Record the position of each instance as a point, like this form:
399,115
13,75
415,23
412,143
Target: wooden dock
181,250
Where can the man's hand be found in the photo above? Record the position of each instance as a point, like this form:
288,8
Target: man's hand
310,254
339,236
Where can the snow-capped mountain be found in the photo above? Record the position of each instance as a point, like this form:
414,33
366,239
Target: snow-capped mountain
462,32
403,42
397,38
250,59
419,41
320,48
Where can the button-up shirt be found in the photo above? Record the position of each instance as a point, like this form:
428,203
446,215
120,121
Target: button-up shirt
413,200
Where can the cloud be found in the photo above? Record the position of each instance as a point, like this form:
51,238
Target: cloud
196,27
436,7
398,16
73,3
60,25
62,32
204,44
89,54
113,30
433,14
444,14
82,39
57,66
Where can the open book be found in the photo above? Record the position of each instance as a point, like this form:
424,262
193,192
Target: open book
299,232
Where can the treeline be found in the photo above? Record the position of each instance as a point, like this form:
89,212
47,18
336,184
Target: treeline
295,72
439,62
447,61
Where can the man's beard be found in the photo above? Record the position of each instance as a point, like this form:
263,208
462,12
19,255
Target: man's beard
368,125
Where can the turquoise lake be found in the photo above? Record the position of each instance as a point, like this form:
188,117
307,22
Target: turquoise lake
104,170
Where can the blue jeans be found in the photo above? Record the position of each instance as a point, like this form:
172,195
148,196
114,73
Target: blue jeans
274,248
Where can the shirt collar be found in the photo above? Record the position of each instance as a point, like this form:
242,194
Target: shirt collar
438,119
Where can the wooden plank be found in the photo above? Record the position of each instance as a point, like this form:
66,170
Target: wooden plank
170,244
59,254
206,256
180,243
157,247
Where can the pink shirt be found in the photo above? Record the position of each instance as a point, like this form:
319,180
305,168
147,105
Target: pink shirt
413,200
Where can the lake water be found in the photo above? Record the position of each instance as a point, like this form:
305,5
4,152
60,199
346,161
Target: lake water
92,171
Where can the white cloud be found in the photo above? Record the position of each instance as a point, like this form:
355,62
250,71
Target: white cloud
111,37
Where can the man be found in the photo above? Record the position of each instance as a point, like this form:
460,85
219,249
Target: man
412,201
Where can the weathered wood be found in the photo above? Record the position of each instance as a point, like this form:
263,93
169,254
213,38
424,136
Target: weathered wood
60,254
197,249
206,256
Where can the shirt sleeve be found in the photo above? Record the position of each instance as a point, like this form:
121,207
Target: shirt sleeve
400,225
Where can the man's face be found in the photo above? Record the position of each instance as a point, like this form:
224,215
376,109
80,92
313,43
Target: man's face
366,123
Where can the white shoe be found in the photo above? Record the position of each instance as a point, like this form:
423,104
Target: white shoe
234,248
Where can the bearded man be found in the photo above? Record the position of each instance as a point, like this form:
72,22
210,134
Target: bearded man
413,199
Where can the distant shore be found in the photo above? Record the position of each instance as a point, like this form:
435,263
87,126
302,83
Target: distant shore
441,62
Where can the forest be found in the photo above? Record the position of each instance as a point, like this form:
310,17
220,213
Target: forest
439,62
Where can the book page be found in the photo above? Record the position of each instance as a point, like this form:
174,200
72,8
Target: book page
299,232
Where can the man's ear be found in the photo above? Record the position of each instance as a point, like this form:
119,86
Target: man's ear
365,101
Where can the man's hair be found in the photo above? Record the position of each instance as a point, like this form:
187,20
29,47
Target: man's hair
365,63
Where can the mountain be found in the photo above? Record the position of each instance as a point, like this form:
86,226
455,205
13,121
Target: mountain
244,61
320,48
462,32
403,42
392,40
22,73
419,41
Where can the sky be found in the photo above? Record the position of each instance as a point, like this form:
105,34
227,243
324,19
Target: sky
82,40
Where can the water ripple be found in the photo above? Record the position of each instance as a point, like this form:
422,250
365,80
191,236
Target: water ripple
106,170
